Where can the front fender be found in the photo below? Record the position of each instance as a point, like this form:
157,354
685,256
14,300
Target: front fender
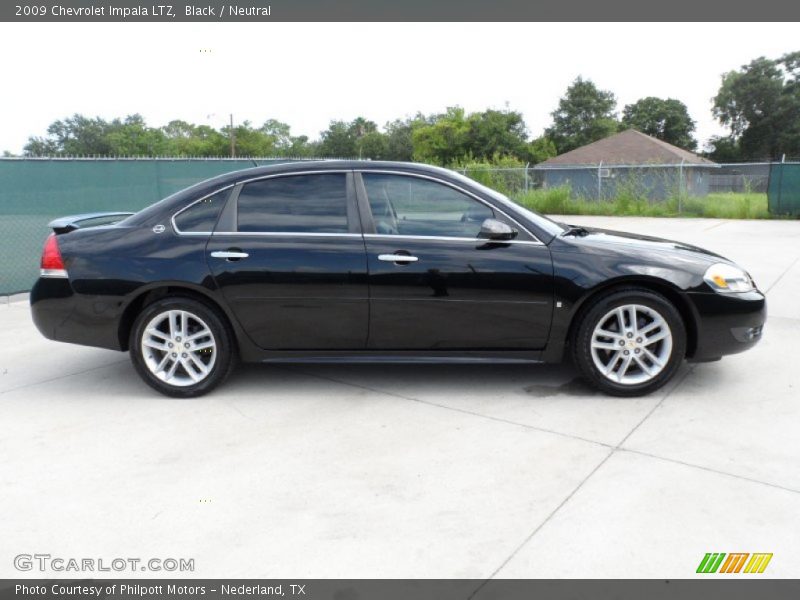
580,276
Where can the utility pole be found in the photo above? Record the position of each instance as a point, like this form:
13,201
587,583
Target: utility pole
233,139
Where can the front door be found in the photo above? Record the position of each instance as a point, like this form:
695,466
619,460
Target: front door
292,264
434,285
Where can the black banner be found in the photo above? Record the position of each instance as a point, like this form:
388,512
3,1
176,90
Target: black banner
405,10
395,589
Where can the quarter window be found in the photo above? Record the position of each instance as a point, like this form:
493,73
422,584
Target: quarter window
298,203
201,217
404,205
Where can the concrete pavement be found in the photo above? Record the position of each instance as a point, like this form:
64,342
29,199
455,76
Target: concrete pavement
414,471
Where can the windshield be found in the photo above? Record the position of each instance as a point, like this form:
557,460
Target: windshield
546,223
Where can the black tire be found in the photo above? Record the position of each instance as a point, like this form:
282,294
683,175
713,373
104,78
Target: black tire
200,313
597,311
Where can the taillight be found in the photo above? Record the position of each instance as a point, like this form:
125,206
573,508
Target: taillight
52,263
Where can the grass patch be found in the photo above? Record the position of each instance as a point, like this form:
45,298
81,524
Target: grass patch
731,205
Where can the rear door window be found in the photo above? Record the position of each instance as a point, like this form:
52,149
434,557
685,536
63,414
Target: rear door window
315,203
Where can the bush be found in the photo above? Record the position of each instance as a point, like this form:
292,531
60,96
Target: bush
716,206
505,174
553,200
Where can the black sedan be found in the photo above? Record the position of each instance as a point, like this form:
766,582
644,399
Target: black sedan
349,261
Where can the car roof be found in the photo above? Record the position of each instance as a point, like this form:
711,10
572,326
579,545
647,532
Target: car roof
329,165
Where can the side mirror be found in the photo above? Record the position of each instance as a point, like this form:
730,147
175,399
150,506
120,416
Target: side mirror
493,229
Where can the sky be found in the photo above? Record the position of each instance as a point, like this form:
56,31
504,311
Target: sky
307,74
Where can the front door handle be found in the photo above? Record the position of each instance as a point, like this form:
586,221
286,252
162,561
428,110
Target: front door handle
397,258
229,254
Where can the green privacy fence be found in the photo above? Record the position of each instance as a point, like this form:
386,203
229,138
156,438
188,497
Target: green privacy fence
784,189
35,191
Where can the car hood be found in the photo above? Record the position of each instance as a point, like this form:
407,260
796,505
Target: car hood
619,241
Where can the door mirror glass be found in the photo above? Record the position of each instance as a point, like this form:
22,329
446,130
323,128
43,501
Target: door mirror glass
493,229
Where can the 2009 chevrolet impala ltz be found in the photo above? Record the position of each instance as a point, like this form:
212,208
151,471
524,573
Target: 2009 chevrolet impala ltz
377,261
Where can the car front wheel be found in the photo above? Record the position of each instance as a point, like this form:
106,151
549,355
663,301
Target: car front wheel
629,342
181,347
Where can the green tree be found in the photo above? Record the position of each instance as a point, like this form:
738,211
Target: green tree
495,133
443,140
279,134
41,146
251,142
399,137
186,139
666,120
179,137
723,149
358,138
369,142
76,135
585,114
760,104
301,147
539,150
338,140
210,142
455,136
360,127
449,138
132,137
372,145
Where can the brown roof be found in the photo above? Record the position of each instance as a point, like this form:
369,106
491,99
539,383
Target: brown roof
629,147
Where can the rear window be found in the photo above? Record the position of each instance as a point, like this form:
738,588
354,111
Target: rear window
201,217
299,203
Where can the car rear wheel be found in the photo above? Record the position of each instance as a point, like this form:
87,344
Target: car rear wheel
629,342
181,347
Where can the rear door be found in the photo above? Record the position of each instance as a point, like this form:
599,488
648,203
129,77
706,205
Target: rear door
289,256
434,284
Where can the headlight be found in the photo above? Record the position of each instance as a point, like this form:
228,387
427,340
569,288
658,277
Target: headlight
726,278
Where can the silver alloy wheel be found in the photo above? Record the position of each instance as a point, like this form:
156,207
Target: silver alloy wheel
631,344
179,348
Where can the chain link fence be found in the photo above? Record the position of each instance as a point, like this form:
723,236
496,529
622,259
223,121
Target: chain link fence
654,182
741,178
35,191
508,180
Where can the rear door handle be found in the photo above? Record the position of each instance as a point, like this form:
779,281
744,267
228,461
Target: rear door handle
397,258
229,254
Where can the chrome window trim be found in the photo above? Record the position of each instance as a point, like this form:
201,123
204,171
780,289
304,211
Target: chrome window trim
288,234
190,205
389,236
380,236
537,241
293,173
